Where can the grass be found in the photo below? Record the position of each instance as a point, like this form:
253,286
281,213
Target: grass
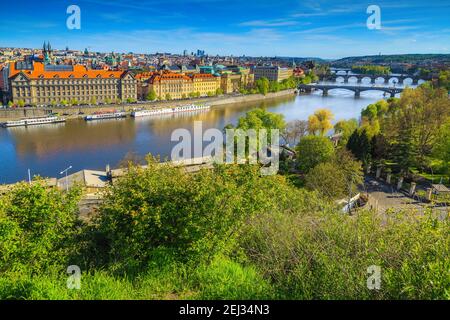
222,279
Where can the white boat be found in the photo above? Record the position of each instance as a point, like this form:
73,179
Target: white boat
33,121
105,115
191,107
152,112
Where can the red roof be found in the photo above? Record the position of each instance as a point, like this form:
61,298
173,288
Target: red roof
79,71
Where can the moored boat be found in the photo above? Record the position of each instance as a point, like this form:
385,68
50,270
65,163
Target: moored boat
33,121
152,112
105,115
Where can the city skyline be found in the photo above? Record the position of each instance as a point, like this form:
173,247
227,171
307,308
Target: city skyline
287,28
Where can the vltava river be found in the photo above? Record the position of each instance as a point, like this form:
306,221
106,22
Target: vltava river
48,149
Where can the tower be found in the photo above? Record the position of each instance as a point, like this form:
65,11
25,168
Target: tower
47,52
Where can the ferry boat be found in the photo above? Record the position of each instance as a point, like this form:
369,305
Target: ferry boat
152,112
33,121
191,107
105,115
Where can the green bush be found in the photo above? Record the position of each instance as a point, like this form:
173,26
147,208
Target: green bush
325,255
37,227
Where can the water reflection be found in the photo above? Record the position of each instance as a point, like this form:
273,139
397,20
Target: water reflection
48,149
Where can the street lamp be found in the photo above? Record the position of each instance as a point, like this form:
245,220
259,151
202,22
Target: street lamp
67,181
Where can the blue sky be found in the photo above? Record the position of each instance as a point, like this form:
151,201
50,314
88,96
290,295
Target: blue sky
301,28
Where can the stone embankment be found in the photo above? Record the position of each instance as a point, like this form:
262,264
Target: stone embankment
80,111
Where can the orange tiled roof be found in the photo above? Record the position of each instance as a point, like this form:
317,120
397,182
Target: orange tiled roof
165,76
79,71
203,75
144,75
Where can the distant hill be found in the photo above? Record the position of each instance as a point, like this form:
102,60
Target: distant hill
398,58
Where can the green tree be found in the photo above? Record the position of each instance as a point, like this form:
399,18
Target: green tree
345,128
21,103
320,122
168,96
10,104
359,145
337,178
262,85
151,95
313,150
37,227
219,92
163,208
93,101
441,149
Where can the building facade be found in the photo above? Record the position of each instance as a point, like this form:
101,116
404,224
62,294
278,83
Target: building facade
273,73
53,84
205,84
169,85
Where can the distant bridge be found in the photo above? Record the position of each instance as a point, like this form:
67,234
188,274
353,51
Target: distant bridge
372,77
356,89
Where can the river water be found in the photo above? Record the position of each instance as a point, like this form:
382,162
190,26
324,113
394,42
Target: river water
48,149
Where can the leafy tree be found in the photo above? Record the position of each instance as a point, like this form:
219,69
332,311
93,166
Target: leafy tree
151,95
168,96
420,113
379,147
219,92
21,103
337,178
359,145
10,104
320,122
345,128
37,226
163,208
93,101
262,85
313,150
441,149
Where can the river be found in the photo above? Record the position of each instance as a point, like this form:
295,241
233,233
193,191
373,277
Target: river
48,149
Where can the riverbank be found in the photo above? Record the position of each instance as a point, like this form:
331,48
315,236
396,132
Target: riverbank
75,112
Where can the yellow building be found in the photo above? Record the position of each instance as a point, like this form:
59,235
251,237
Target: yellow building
233,81
273,73
168,85
205,84
41,84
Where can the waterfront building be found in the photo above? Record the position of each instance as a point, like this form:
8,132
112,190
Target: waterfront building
168,85
171,85
273,73
38,84
205,84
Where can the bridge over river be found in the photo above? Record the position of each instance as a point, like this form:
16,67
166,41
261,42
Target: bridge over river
356,89
386,78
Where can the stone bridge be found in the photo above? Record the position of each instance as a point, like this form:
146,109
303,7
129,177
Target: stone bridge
356,89
372,77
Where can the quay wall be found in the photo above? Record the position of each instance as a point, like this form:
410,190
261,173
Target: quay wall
74,112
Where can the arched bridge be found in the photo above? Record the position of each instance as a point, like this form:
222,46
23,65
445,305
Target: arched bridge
372,77
356,89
